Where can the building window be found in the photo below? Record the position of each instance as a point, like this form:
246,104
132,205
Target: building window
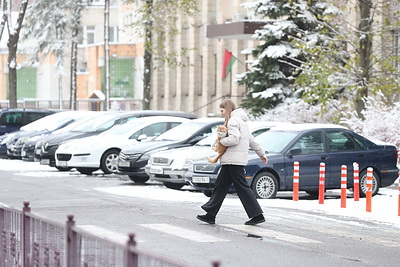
113,31
122,77
87,35
26,83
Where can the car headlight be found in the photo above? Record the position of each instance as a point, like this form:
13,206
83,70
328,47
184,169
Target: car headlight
145,156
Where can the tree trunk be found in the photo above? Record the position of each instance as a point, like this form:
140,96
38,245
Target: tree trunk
365,50
147,74
12,71
12,54
147,58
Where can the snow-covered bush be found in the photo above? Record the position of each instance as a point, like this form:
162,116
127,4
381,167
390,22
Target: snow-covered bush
380,123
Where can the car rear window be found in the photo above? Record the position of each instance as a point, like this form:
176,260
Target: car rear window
11,118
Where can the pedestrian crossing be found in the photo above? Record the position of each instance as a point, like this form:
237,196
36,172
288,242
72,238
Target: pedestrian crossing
201,237
183,233
270,234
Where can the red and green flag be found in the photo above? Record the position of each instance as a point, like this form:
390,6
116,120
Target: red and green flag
229,59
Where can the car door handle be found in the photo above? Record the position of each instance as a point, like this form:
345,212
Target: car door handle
324,157
361,155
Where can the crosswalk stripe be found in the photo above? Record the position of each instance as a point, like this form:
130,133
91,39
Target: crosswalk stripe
104,233
183,233
258,231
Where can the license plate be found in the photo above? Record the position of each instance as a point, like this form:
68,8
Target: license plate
124,163
156,170
201,179
62,163
45,161
23,153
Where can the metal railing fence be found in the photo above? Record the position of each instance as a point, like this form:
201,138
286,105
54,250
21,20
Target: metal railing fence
30,240
93,104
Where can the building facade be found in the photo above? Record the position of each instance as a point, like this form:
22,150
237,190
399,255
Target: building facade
193,86
39,85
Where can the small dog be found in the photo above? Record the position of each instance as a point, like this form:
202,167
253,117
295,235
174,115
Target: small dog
222,131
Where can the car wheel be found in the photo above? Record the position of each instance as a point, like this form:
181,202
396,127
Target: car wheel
265,185
87,171
138,180
109,161
363,183
173,185
63,169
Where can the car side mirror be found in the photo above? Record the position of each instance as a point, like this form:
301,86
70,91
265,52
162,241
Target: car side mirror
294,152
142,137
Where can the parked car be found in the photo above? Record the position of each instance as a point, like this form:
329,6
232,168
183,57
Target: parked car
35,130
95,127
101,151
12,120
133,159
170,166
308,144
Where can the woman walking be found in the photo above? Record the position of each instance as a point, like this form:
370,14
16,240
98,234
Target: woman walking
238,141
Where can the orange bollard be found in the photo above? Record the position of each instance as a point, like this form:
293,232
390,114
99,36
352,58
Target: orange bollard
356,184
321,194
368,194
296,177
343,186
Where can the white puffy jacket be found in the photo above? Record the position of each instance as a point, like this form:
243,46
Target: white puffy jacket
239,140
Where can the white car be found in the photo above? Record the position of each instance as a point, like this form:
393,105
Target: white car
170,166
101,151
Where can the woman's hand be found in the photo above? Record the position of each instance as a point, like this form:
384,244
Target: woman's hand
264,159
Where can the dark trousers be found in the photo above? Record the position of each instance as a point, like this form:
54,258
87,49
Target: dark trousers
232,174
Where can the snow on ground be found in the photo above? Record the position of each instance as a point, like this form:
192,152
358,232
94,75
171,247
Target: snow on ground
385,205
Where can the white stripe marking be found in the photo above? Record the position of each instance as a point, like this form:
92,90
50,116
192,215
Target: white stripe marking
183,233
270,233
104,233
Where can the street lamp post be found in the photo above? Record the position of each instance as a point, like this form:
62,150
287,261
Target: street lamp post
107,53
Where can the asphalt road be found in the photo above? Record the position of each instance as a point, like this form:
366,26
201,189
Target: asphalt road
168,227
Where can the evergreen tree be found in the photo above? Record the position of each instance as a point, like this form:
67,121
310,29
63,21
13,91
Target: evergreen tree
279,58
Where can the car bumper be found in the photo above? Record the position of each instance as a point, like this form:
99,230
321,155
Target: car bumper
388,177
84,160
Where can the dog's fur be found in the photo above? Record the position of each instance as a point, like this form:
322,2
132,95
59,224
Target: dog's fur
222,131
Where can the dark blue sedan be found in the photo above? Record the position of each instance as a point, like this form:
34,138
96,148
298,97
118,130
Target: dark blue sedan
309,144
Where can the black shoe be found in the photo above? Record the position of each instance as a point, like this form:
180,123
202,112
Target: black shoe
206,218
255,220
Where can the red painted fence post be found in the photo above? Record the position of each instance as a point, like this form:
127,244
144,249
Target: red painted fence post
343,186
131,257
296,178
72,243
25,235
321,194
356,184
368,194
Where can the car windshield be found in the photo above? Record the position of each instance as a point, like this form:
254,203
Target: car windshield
102,123
181,132
208,141
48,123
275,141
123,128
